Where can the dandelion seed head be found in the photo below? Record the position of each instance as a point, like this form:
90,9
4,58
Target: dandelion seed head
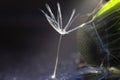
56,22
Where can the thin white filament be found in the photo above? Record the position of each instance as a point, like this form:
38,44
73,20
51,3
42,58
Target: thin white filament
57,58
76,16
71,17
50,11
80,26
59,16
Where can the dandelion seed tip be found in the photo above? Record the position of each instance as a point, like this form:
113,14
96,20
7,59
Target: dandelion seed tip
46,5
53,76
42,11
58,3
74,9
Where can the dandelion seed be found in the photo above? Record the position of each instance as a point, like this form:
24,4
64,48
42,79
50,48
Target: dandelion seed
57,24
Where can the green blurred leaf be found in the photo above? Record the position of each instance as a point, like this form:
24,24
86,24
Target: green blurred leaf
108,9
